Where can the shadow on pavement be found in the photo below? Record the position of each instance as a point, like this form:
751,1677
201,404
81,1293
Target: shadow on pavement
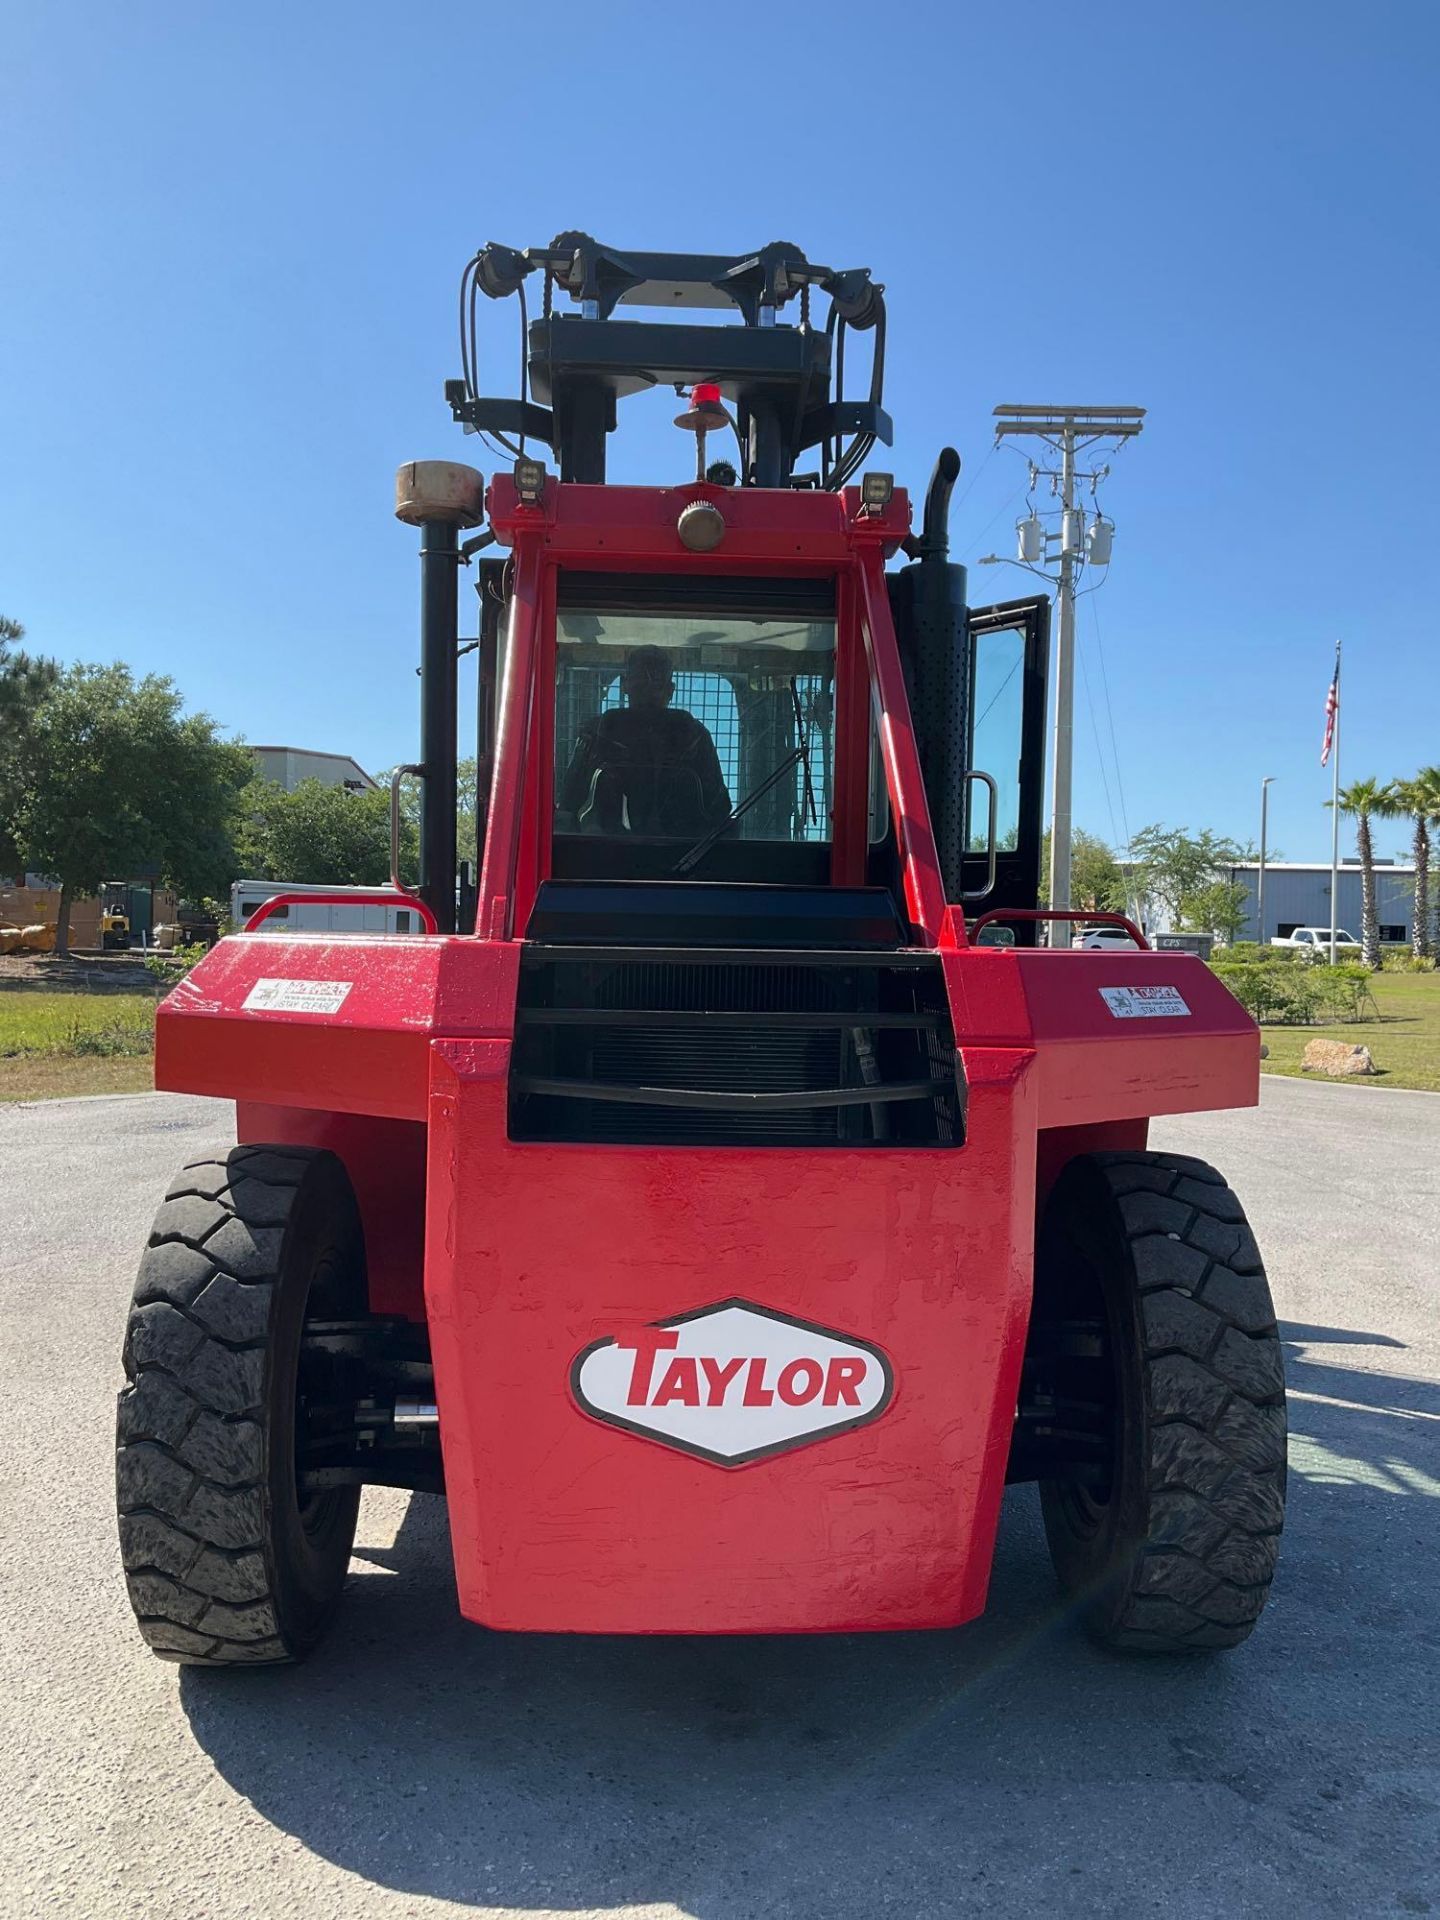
1002,1767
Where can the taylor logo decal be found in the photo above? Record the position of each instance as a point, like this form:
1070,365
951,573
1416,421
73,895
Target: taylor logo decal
733,1382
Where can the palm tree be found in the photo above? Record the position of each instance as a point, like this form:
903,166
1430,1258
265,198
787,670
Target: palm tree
1364,801
1419,797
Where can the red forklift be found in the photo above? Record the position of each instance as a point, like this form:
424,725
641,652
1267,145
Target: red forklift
722,1201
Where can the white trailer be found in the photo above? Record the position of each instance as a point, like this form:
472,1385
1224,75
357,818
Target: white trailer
336,911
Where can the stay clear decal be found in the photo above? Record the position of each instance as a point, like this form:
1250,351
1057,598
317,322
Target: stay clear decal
297,996
733,1382
1145,1003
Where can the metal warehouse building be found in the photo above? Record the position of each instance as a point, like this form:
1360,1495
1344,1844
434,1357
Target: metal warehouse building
1297,895
291,765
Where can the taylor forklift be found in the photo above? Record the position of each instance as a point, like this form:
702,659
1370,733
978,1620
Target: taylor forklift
714,1211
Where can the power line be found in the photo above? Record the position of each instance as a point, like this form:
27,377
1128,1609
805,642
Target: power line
1099,751
1110,717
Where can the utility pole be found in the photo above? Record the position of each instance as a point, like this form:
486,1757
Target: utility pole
1066,430
1063,755
1265,786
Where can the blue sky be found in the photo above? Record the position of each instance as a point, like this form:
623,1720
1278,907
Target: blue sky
230,240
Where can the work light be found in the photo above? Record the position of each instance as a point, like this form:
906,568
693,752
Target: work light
875,491
530,481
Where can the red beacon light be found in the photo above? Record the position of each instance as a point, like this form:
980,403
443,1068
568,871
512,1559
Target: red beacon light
705,414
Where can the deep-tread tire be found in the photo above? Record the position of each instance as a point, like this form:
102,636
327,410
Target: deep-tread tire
224,1565
1179,1557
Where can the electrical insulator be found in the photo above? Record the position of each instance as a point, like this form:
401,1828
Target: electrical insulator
1098,541
1029,539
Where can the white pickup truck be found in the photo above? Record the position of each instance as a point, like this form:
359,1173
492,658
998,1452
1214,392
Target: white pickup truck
1315,942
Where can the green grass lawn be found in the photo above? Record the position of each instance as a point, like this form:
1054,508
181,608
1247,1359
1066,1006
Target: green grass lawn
66,1043
1404,1039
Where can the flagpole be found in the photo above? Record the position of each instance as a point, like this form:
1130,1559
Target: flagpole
1335,815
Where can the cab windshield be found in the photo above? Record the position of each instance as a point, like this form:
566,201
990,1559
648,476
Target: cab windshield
681,731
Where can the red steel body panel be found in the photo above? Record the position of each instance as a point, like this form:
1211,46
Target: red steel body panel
562,1524
386,1163
1092,1066
393,1052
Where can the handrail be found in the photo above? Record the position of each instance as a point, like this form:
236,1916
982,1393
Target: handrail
979,893
924,890
1063,913
494,919
376,899
396,777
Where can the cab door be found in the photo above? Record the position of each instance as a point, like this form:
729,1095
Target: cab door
1009,649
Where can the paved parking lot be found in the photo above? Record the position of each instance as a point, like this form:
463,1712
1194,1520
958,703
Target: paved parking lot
420,1766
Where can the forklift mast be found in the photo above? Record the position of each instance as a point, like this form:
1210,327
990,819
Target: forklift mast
784,376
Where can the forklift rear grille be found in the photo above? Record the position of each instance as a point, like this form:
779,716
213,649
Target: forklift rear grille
856,1051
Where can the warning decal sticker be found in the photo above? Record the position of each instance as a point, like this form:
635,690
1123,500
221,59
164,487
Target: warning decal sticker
297,996
1145,1003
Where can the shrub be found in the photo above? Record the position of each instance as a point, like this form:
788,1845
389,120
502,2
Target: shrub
174,965
1345,991
1279,993
1402,960
111,1038
1253,953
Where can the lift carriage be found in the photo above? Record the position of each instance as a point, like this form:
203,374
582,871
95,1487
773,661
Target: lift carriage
706,1203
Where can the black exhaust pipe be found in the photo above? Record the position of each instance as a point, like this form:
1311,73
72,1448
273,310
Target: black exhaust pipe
933,629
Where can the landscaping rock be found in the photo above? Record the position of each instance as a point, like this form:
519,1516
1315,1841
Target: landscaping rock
1336,1059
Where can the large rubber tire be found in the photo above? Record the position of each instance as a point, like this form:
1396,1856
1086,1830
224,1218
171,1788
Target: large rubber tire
225,1564
1175,1553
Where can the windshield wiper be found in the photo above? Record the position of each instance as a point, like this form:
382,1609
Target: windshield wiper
701,847
802,740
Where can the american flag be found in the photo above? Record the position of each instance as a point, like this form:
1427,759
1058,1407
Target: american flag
1332,707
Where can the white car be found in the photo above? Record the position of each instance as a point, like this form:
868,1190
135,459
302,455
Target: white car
1106,940
1314,943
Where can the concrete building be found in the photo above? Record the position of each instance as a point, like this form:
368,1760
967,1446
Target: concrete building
290,765
1298,895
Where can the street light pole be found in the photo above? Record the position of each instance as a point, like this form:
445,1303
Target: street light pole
1067,431
1064,681
1260,882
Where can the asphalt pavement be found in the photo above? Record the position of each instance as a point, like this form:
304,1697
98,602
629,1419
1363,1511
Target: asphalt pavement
422,1766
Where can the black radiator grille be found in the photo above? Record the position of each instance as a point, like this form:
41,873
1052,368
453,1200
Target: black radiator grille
735,1044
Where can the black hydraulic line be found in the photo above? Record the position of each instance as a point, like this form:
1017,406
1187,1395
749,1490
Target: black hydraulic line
439,675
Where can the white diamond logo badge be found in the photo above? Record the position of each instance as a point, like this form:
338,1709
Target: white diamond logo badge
733,1383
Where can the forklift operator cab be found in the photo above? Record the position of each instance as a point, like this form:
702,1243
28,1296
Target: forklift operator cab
703,738
725,729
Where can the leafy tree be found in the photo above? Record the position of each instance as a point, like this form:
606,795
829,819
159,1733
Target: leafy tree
1419,797
1364,801
1173,866
117,779
1222,908
1097,879
323,836
465,814
25,680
